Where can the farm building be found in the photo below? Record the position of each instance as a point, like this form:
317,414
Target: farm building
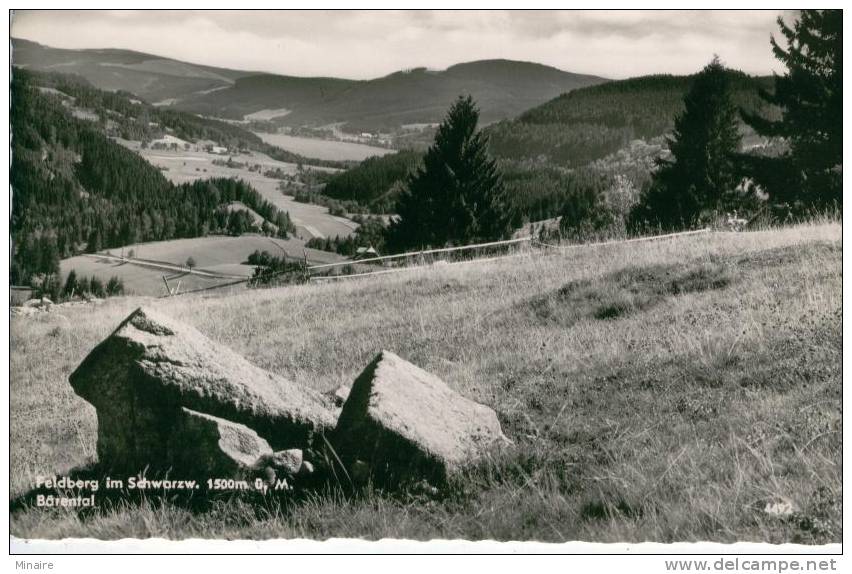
169,140
365,253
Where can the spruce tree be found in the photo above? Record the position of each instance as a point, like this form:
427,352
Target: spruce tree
810,97
96,287
70,284
700,177
93,245
456,196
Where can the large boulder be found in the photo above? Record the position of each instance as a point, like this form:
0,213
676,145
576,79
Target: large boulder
151,366
209,447
407,425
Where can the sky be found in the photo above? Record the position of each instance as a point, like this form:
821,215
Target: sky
369,44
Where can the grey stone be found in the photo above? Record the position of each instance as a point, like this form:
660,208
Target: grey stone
209,447
151,366
409,425
286,462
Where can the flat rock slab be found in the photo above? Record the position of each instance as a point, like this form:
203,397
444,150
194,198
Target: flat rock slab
209,447
408,425
151,366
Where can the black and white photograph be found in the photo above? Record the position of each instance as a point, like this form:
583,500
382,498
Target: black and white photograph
506,276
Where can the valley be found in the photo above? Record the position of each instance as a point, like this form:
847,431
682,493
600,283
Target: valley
220,260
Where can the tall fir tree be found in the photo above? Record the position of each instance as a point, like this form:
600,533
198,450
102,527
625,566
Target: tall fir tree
700,177
456,196
810,97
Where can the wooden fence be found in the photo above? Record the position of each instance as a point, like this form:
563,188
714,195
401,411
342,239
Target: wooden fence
419,256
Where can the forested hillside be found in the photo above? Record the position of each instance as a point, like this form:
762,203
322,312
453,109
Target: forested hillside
585,141
265,91
588,124
74,189
375,182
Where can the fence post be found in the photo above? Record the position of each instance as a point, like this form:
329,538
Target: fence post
307,273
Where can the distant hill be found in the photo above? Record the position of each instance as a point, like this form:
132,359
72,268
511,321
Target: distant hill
588,124
265,91
152,78
502,88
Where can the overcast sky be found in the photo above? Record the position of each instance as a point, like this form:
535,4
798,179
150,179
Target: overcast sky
367,44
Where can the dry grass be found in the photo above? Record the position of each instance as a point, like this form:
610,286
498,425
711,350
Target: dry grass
662,391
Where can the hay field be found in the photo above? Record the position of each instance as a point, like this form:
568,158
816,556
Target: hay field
665,391
215,254
323,149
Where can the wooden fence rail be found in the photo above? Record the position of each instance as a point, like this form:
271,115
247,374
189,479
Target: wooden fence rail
420,253
622,241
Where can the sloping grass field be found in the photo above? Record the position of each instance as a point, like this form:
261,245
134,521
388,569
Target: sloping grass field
668,391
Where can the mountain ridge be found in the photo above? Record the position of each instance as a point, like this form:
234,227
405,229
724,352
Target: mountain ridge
503,88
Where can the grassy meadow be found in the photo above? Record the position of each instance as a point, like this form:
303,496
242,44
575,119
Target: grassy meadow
662,391
221,255
323,149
